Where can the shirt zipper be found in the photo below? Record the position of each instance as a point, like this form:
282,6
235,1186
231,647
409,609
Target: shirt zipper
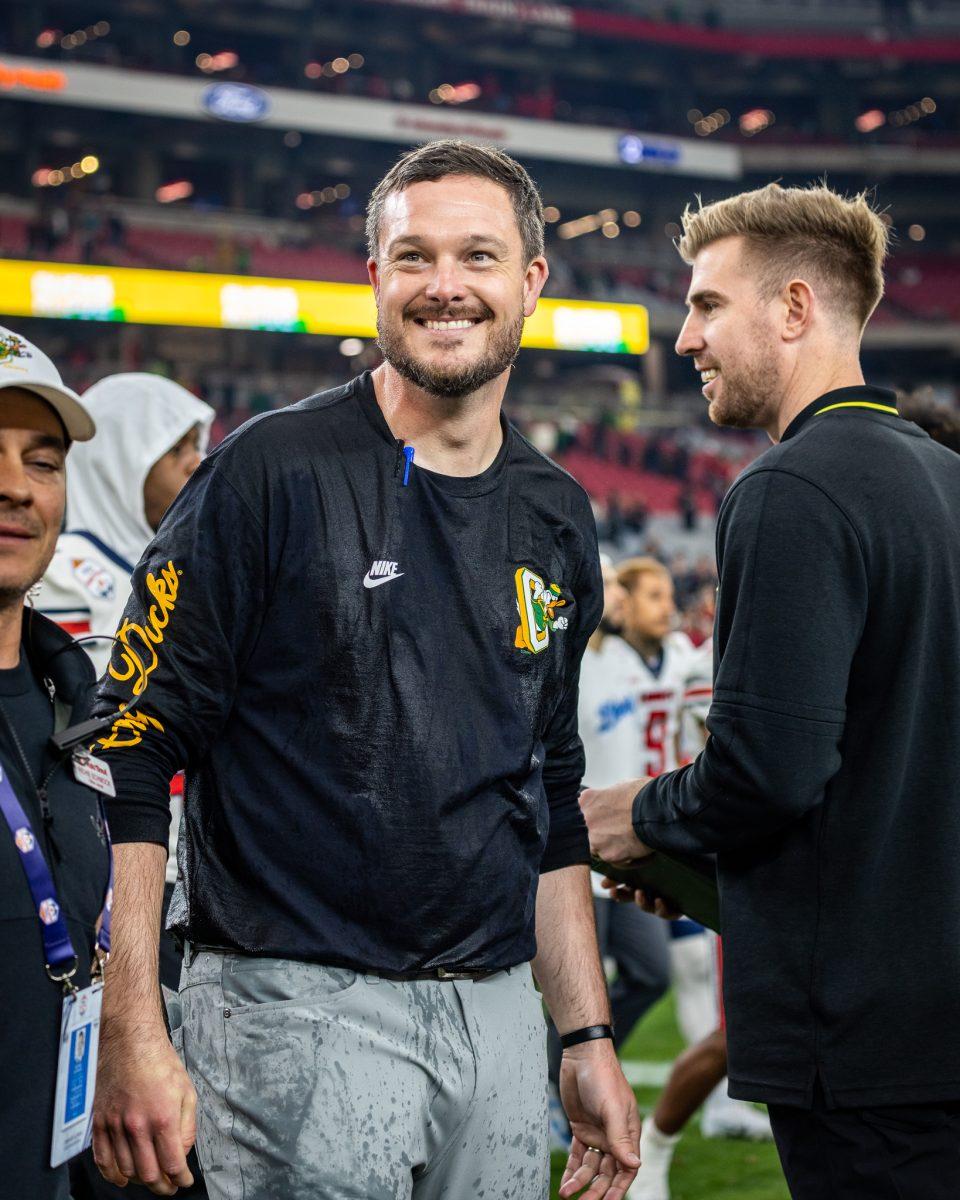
39,790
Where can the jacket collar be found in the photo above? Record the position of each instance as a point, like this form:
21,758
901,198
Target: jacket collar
54,655
862,398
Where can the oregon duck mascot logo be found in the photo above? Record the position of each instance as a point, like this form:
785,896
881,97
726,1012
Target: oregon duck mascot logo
537,604
12,346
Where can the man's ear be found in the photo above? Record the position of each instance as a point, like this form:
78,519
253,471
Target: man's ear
373,274
798,304
533,283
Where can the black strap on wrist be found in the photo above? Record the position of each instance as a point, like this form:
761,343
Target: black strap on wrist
589,1033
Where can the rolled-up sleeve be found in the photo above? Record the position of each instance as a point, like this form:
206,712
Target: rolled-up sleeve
791,610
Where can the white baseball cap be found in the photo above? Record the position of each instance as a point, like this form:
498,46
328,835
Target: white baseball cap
22,365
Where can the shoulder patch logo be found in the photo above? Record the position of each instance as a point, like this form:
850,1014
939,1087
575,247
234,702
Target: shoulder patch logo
537,605
12,346
94,577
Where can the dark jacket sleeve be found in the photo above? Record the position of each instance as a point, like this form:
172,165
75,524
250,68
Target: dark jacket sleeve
198,593
790,613
564,763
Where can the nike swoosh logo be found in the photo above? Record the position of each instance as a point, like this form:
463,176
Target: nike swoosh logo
372,583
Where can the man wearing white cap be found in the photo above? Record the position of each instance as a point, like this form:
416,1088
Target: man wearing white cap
151,436
53,852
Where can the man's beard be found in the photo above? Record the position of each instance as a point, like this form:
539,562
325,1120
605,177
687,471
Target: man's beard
750,394
610,626
455,381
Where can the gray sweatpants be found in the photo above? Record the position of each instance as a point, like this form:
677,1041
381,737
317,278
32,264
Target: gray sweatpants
317,1083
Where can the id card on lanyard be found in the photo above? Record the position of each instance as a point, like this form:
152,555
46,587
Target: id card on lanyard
80,1016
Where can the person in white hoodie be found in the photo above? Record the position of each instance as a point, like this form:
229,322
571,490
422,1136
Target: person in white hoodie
151,435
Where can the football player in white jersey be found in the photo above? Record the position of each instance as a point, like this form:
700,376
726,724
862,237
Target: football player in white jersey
676,677
633,942
673,701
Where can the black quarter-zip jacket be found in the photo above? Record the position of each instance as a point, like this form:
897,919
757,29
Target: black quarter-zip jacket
74,845
372,686
830,784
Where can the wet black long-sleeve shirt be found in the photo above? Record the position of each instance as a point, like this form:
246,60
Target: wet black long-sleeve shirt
830,785
372,685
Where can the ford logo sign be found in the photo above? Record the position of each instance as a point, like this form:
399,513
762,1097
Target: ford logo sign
235,101
634,150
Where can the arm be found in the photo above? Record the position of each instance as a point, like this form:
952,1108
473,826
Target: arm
144,1120
792,603
598,1100
198,595
196,599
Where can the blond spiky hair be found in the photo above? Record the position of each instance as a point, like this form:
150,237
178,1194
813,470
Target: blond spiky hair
838,244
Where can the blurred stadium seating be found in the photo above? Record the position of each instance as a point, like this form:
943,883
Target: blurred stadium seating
862,90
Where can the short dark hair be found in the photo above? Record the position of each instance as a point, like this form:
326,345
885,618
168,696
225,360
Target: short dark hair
452,156
940,422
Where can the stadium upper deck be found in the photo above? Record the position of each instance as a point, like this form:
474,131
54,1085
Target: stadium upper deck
347,85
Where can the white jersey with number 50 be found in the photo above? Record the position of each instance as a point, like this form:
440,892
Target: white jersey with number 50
677,690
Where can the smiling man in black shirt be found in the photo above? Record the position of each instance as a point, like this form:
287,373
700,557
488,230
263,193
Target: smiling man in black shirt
359,629
829,785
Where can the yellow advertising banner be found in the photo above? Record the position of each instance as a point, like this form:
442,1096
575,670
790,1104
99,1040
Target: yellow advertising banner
151,297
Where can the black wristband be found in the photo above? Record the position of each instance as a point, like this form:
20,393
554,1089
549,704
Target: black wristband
591,1033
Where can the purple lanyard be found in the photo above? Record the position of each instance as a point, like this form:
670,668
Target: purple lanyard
61,958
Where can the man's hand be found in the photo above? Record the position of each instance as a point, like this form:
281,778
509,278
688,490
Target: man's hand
608,813
602,1112
144,1115
657,906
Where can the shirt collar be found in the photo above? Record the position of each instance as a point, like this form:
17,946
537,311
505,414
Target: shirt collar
861,398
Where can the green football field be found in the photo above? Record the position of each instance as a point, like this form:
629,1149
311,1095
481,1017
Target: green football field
702,1169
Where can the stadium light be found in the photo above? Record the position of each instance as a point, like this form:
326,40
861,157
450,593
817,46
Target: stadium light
54,177
913,112
606,220
79,37
326,195
756,121
181,37
461,93
179,189
224,61
551,214
710,124
337,66
867,122
580,226
47,37
916,233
